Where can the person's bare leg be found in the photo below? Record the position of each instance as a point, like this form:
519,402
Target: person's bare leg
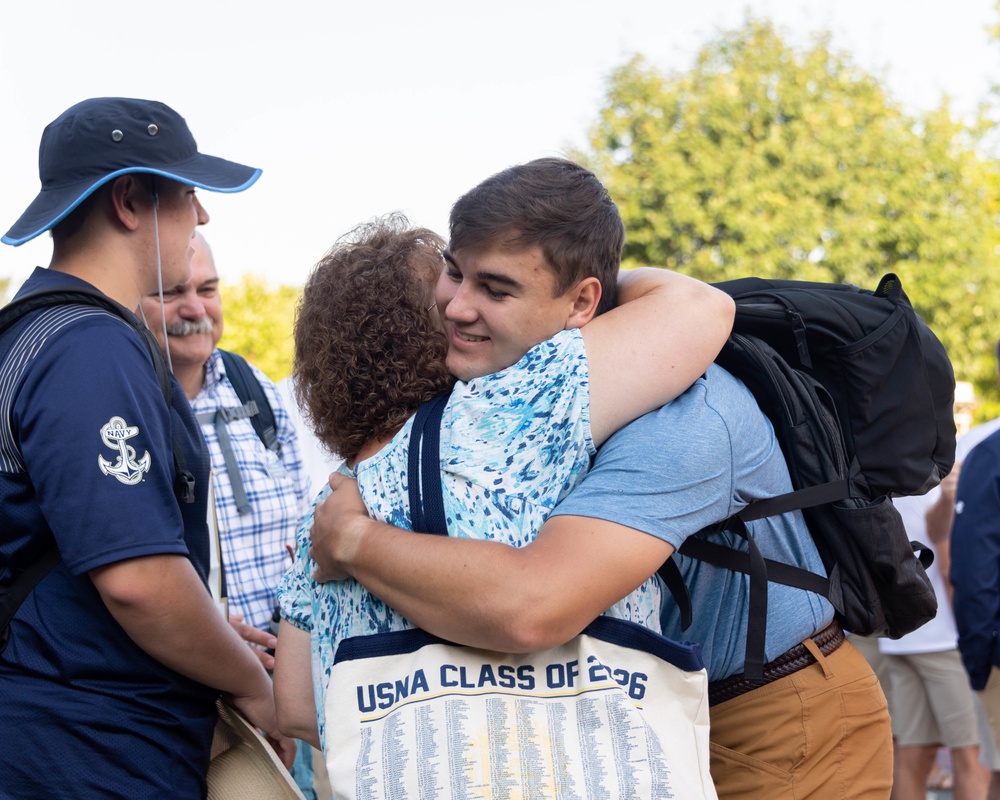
994,793
910,771
971,780
939,777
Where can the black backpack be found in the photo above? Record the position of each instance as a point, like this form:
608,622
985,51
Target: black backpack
14,593
860,394
249,390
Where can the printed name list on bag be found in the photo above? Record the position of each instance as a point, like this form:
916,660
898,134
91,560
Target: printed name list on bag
450,722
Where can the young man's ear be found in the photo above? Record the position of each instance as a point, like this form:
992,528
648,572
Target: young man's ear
128,196
586,298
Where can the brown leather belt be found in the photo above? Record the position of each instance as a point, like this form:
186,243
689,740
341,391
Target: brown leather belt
791,661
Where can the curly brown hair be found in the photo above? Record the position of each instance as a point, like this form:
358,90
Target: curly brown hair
368,351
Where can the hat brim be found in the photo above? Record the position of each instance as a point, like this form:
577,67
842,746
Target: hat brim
53,205
243,765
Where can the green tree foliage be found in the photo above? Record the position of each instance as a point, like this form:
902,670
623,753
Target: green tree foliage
258,323
767,160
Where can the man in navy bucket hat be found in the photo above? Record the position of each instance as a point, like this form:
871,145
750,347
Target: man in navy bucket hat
115,659
98,140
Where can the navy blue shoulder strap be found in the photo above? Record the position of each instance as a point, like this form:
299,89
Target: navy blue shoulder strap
45,298
424,472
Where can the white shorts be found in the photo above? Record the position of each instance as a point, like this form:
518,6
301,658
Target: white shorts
930,700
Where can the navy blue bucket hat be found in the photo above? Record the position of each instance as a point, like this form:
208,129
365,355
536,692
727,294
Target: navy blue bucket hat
97,140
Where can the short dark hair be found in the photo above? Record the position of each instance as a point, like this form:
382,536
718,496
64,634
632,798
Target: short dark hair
367,350
553,203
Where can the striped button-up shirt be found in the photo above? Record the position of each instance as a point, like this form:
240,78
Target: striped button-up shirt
253,544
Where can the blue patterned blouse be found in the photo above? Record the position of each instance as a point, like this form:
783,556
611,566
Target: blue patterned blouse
512,445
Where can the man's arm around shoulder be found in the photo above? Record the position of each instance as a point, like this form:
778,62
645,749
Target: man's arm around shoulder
510,599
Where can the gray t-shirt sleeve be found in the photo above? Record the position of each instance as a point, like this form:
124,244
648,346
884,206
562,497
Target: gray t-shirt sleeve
693,463
673,471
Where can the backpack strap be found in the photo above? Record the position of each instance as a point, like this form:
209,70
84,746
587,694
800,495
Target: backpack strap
670,574
793,501
777,571
424,468
15,593
249,390
44,298
218,419
750,562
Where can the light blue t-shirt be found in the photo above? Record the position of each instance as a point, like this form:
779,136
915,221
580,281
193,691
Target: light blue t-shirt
697,461
512,445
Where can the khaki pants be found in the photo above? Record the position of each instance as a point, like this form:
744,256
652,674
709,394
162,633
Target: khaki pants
822,733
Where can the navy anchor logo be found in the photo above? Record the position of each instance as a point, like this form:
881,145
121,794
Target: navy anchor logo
116,435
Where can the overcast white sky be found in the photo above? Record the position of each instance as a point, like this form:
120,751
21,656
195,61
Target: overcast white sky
356,109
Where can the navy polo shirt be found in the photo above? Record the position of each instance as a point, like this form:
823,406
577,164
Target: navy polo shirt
86,456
